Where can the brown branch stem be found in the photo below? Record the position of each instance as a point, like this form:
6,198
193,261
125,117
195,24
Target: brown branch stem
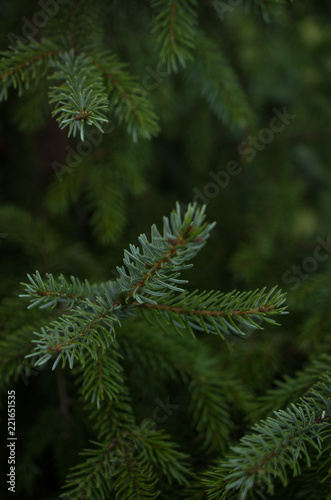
172,22
204,312
59,347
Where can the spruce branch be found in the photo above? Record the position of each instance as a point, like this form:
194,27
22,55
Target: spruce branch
101,378
152,450
81,98
128,101
23,66
218,313
116,459
48,292
278,444
70,336
135,478
149,282
154,271
83,85
164,455
291,388
90,479
212,399
175,24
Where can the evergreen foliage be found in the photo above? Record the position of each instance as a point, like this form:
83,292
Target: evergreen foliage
140,377
279,445
147,282
149,279
82,95
175,24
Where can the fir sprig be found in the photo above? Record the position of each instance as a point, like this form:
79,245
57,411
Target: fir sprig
148,281
81,97
215,312
70,336
89,85
151,273
127,464
23,66
291,388
48,292
175,24
278,445
129,103
101,378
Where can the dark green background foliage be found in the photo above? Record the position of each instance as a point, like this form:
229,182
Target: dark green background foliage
192,92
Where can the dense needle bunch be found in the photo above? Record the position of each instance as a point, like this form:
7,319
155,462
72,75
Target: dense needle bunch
89,331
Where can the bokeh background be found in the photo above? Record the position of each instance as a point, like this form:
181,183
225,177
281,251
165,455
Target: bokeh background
272,214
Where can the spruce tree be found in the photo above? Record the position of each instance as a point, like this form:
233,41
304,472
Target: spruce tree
134,375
